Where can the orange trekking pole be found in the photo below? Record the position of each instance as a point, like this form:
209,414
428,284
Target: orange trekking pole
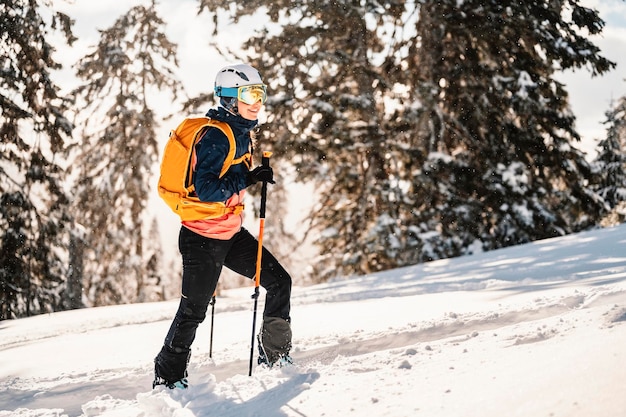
265,161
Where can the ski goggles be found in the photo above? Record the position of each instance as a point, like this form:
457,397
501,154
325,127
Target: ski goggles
249,94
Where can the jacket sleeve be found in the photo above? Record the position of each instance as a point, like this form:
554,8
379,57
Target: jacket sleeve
211,152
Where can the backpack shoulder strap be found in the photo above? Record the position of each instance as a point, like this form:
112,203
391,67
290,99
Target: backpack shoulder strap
192,128
226,129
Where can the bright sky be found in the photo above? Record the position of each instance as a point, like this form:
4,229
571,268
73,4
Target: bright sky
591,97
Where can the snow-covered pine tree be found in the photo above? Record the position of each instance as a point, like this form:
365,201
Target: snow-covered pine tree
610,164
500,165
119,151
34,210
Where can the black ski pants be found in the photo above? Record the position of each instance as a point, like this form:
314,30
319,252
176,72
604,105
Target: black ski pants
203,259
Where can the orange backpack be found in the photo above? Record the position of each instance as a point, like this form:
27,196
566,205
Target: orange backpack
175,182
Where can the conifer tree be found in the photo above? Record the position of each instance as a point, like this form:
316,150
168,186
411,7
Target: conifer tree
34,130
610,163
431,128
118,151
501,165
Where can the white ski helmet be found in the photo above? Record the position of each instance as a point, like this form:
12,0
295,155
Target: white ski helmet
234,76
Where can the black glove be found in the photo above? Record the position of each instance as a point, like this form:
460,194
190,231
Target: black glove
261,173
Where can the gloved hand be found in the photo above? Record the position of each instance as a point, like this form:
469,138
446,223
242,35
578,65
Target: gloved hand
261,173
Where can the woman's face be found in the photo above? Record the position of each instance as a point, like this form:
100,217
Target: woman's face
249,111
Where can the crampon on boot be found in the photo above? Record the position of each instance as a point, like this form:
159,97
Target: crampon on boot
170,369
180,384
280,361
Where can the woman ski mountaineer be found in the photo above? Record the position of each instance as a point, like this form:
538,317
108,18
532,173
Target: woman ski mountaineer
209,244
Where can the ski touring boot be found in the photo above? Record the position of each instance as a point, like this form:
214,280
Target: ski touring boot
171,374
274,341
279,361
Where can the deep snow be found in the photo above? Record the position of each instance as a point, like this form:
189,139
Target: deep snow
533,330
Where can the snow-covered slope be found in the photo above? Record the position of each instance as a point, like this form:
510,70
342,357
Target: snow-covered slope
534,330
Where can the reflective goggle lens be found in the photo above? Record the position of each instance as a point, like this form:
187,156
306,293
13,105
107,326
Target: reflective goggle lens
250,94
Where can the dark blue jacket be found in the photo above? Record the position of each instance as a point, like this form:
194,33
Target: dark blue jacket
211,152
